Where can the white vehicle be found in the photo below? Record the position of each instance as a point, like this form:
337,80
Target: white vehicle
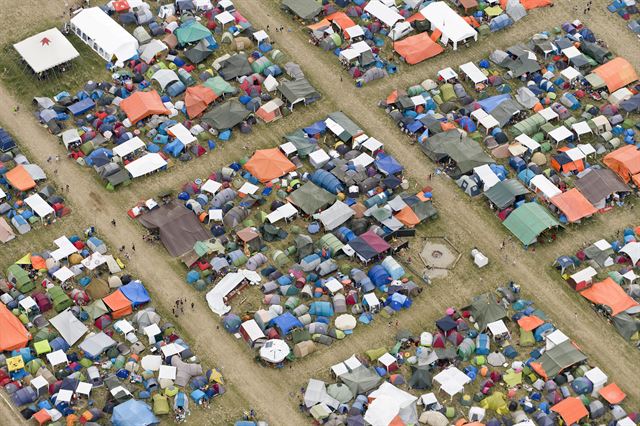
400,30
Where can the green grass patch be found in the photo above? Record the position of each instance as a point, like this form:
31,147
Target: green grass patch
18,77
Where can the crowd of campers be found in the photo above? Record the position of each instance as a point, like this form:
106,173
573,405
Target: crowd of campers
366,37
627,10
180,84
545,130
605,274
25,200
499,361
80,342
314,224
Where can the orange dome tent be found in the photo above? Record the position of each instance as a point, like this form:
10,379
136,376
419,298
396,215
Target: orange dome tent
269,164
14,335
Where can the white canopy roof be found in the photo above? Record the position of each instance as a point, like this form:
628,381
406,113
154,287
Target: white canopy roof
63,274
544,185
94,260
447,73
65,248
248,188
387,359
355,31
260,36
372,144
497,328
151,331
489,122
39,206
445,19
371,299
211,186
570,73
70,328
253,330
225,18
597,377
146,164
548,114
84,388
385,14
389,402
128,147
452,380
182,134
215,297
283,212
64,395
587,149
473,72
171,349
335,215
27,303
167,372
571,52
106,33
46,50
560,134
57,357
555,338
363,160
632,250
487,176
581,128
585,275
530,143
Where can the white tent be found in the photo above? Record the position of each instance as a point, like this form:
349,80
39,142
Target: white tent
474,73
560,134
64,250
540,183
453,27
216,297
452,380
274,351
335,215
146,164
389,402
70,328
104,35
182,134
39,206
129,147
632,250
46,50
527,141
151,49
387,15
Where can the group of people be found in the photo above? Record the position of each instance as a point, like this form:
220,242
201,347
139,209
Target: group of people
179,306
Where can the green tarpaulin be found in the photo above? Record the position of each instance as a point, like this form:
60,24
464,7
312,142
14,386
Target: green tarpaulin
191,32
305,9
310,198
504,193
528,221
485,309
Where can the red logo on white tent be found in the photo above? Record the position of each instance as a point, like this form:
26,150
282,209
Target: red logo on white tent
45,41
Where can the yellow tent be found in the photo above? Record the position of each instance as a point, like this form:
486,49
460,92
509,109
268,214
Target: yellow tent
15,363
511,378
495,402
25,260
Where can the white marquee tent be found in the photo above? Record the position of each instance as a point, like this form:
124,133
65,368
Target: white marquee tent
453,27
46,50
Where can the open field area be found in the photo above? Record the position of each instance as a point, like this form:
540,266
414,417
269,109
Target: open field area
466,222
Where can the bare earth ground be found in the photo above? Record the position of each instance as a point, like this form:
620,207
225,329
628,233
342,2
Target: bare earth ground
466,223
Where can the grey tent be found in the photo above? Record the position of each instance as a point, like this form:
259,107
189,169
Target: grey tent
294,91
350,128
335,215
305,9
505,111
464,151
97,344
178,227
485,310
626,325
234,217
141,34
420,377
632,104
304,145
310,198
304,245
361,380
373,74
594,50
504,193
526,97
293,70
234,67
557,359
199,52
226,115
599,184
515,10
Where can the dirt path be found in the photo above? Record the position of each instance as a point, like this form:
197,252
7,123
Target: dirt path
267,390
474,226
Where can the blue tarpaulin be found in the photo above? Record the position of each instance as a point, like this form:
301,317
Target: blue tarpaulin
388,165
136,293
82,106
133,413
315,128
287,322
489,104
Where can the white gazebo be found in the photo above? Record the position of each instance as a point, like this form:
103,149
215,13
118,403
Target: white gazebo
46,50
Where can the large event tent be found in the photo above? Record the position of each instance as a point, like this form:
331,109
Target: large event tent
46,50
573,205
453,27
269,164
625,162
616,73
417,48
14,335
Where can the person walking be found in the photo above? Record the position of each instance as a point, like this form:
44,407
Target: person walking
113,222
133,247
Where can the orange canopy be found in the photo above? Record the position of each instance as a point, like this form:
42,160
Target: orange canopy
141,105
616,73
38,262
534,4
20,179
42,417
393,97
118,303
197,98
571,410
530,323
574,205
415,17
269,164
624,161
408,217
341,20
612,393
319,25
417,48
14,335
609,293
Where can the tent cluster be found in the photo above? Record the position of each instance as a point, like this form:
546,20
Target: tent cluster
545,130
627,10
71,337
366,35
245,224
183,87
499,361
25,198
605,274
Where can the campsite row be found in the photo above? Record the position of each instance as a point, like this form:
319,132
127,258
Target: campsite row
177,87
25,200
312,223
605,274
551,112
81,342
627,10
499,361
366,38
